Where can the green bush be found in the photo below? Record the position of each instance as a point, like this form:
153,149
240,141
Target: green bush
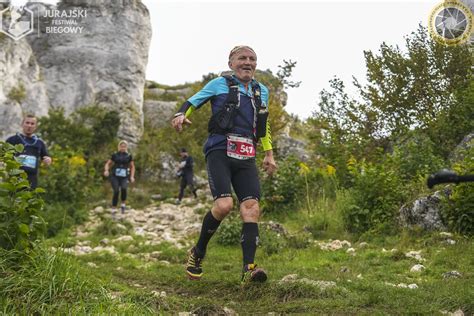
90,132
377,194
296,184
69,184
79,144
416,156
299,240
17,94
325,221
87,130
20,223
230,231
270,241
458,209
68,178
281,190
59,216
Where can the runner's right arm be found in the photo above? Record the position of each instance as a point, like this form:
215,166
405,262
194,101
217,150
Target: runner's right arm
202,96
107,167
195,102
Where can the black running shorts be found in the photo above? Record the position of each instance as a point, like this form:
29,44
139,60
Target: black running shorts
223,170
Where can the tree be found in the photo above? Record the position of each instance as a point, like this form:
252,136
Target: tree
418,89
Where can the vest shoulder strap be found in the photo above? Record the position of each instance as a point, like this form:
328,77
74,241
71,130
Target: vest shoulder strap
257,93
233,96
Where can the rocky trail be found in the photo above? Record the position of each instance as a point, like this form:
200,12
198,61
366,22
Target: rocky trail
153,225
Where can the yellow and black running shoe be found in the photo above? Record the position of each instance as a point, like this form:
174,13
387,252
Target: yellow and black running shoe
193,265
251,273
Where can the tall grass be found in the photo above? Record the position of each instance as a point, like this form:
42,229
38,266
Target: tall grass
52,282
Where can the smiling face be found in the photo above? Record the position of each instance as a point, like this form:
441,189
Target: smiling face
243,63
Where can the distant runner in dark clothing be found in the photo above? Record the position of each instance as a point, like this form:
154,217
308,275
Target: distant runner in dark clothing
34,151
186,173
123,167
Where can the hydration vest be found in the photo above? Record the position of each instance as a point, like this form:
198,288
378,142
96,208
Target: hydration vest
223,121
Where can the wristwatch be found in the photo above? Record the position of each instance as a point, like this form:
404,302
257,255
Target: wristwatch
178,114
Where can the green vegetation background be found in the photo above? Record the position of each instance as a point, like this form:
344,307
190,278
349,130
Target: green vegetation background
370,154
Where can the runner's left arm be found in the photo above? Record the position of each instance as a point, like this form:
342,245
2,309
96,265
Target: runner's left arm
44,154
132,169
267,139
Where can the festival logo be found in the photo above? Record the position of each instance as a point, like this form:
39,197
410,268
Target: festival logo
16,22
450,23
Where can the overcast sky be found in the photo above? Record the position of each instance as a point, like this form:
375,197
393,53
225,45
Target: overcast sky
325,38
193,38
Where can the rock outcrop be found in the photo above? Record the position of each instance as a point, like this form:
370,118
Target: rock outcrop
423,212
104,65
462,148
287,145
158,113
22,88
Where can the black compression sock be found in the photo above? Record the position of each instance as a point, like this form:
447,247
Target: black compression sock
209,227
249,242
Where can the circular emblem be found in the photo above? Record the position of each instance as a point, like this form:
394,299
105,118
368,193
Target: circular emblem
450,23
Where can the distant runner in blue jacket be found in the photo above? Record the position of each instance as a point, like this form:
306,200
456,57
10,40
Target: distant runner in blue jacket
34,150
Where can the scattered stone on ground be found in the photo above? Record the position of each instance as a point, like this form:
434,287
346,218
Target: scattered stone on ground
123,238
156,224
292,278
275,227
452,275
344,270
156,197
458,312
403,285
92,264
417,268
450,241
445,234
415,255
161,294
333,245
104,241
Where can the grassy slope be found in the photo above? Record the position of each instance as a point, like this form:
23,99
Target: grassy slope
132,281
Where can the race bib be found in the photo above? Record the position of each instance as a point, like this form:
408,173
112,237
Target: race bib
121,172
240,147
27,161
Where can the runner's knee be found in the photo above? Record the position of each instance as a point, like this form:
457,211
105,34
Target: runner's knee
250,211
222,207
